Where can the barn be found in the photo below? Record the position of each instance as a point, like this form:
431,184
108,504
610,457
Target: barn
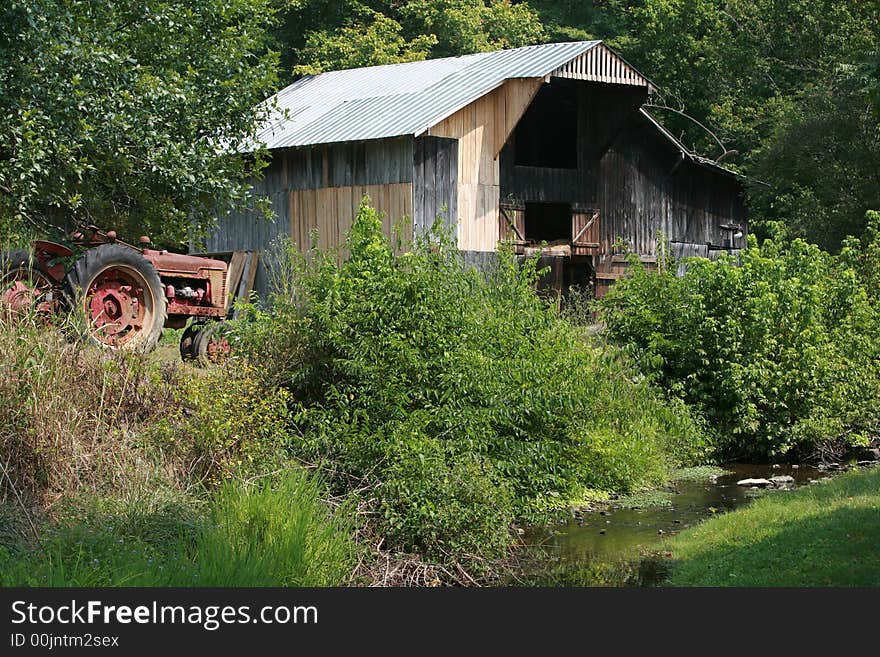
546,148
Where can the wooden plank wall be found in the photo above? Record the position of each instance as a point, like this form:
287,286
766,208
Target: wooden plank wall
245,231
644,190
601,64
435,193
343,173
331,211
482,128
342,165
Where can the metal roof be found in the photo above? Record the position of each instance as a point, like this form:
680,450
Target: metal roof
402,99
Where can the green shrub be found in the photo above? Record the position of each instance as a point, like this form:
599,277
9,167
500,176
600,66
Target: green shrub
456,399
779,350
443,505
224,423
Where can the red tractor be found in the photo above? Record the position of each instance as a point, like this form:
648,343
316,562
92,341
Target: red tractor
127,294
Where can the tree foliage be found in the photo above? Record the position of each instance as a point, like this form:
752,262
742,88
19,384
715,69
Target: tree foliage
317,35
129,113
820,164
785,87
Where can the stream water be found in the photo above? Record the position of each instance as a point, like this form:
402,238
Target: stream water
605,541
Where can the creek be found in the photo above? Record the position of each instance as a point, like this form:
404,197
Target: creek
619,543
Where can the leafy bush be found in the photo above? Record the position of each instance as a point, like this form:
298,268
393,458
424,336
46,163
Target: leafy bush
779,350
457,399
223,423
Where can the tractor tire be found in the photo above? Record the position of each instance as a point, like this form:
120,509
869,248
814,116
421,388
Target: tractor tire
121,296
211,344
187,341
23,286
10,260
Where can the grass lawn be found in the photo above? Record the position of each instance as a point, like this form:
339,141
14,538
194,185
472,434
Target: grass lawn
827,534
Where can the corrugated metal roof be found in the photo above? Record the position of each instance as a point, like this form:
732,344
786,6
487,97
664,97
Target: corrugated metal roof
401,99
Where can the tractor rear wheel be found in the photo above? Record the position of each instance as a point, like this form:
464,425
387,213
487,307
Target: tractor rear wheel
122,297
23,287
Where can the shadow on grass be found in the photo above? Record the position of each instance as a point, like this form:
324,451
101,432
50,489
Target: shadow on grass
837,548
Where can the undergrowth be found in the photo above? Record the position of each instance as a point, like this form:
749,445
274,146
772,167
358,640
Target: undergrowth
453,401
117,471
264,534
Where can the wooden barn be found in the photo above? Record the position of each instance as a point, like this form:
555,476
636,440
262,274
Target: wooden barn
545,147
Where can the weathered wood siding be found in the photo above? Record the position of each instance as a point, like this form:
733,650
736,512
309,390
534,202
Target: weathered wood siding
343,165
321,187
329,212
435,192
242,231
601,64
482,128
645,190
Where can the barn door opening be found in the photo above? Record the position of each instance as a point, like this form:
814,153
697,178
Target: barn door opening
548,222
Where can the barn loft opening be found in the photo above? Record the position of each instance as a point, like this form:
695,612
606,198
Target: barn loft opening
548,222
546,136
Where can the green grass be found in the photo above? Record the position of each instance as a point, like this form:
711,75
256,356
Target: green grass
827,534
280,535
258,535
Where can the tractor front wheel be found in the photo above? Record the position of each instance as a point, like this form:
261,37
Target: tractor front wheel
211,344
187,341
121,295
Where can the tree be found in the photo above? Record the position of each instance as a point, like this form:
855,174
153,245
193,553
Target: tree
369,40
468,26
319,35
129,114
781,90
820,166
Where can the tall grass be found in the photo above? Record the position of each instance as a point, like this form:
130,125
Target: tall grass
251,535
281,535
111,469
70,415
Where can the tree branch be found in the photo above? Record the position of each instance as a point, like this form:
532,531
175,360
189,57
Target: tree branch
725,151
